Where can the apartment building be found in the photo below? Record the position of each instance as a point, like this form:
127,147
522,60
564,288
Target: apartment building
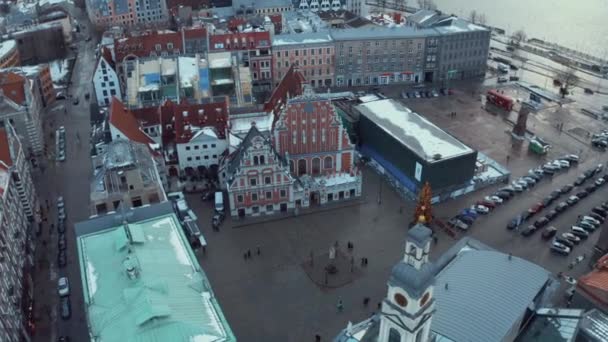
21,105
107,13
380,55
9,54
312,53
16,245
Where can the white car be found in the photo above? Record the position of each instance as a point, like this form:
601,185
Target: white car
599,181
517,187
563,163
557,164
571,237
481,209
63,287
590,219
495,199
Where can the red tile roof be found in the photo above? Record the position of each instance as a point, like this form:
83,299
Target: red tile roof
144,44
5,152
595,283
12,86
124,120
236,41
290,86
198,115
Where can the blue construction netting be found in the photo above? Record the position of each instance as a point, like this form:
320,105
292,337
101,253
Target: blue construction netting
392,169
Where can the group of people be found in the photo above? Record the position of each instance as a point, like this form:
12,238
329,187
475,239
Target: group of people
248,254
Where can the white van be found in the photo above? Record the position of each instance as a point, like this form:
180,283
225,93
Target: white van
219,202
503,67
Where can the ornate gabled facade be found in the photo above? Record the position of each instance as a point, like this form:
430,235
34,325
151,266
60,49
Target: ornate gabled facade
257,180
311,138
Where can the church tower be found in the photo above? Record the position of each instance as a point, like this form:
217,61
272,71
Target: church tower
408,308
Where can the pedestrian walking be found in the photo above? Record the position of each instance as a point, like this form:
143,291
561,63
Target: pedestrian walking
317,338
245,255
435,239
365,301
508,158
340,305
258,252
362,261
249,253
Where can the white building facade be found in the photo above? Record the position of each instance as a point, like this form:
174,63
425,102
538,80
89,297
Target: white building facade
204,149
105,82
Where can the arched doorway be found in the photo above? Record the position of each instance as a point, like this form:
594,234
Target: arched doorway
328,163
301,167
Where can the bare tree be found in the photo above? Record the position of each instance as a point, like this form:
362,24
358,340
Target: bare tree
401,4
381,4
567,79
427,4
473,16
518,37
481,19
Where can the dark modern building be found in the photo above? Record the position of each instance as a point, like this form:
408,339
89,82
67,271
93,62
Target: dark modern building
40,44
412,149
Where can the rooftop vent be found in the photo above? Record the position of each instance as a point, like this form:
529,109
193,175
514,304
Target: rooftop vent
130,267
437,156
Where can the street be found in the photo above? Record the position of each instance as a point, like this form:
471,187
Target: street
69,179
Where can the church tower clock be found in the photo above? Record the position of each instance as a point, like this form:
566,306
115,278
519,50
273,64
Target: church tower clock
407,310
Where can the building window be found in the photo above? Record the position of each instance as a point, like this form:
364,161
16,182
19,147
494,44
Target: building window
316,166
269,207
255,160
268,194
196,147
328,163
254,197
239,198
189,159
267,180
253,182
283,193
187,148
212,145
394,335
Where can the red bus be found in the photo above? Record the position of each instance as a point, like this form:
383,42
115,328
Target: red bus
500,100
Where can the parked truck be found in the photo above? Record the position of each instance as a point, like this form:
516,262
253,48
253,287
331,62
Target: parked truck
500,100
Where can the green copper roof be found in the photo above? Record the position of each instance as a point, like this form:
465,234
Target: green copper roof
142,283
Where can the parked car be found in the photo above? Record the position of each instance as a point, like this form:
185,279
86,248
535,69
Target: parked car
504,195
564,241
470,212
536,208
551,215
566,189
573,158
494,199
546,202
604,205
549,232
536,177
62,243
481,209
458,224
597,217
580,232
528,231
561,207
555,195
526,215
531,181
582,194
600,181
466,219
63,287
62,258
65,308
563,163
513,224
580,180
572,200
571,237
517,187
591,188
558,248
591,219
586,225
541,222
588,91
600,211
488,204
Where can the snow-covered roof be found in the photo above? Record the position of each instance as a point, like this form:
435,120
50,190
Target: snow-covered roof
338,179
220,60
7,46
223,81
417,133
188,70
240,124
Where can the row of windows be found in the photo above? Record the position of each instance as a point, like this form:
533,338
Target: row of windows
267,195
380,67
410,43
304,52
306,62
204,157
350,61
203,146
467,53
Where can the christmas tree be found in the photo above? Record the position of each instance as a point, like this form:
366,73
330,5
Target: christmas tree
423,212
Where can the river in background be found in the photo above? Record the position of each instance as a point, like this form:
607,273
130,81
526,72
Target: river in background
578,24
